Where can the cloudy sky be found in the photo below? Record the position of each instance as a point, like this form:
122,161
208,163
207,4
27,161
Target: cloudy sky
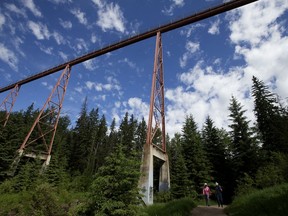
205,63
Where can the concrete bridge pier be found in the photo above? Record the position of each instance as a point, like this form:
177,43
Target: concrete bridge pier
146,182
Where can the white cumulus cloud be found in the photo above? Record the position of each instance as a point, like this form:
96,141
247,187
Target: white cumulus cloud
32,7
110,17
8,57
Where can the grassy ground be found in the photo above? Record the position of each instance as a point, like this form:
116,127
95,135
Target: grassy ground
267,202
181,207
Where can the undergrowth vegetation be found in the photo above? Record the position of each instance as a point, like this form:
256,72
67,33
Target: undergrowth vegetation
180,207
44,200
266,202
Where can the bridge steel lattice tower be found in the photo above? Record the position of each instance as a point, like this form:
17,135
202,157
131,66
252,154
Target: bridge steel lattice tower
8,104
156,123
42,133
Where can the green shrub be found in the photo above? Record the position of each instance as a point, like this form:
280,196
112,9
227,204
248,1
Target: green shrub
45,202
14,204
181,207
267,202
162,197
246,185
7,187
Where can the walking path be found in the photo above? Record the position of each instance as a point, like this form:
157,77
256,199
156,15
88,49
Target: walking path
208,211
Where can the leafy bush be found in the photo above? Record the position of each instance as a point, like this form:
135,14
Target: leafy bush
7,187
181,207
14,204
162,197
267,202
246,185
45,202
42,200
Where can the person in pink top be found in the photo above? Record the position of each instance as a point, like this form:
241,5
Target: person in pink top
206,192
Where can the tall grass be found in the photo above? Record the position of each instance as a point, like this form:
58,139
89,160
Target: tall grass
181,207
267,202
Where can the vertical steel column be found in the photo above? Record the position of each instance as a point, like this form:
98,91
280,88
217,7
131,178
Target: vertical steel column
8,103
152,150
46,122
157,98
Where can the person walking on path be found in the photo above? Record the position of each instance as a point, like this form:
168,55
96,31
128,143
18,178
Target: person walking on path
218,192
206,192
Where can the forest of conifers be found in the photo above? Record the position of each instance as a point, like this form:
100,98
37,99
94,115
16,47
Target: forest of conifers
95,167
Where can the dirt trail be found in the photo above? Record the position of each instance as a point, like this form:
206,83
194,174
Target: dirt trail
208,211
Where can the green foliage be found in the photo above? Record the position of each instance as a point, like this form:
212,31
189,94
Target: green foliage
245,185
180,184
271,118
14,204
162,197
273,172
198,166
269,175
8,186
244,149
40,201
44,201
115,188
267,202
181,207
216,143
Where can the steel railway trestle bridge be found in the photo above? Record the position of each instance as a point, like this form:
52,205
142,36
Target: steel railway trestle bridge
52,107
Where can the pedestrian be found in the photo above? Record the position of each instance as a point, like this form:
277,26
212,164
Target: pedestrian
206,192
218,193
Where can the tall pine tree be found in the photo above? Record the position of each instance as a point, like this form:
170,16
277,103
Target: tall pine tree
114,190
216,150
244,146
271,119
199,169
180,185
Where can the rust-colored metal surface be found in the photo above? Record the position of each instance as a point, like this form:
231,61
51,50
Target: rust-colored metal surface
157,99
165,28
8,104
51,111
45,125
155,142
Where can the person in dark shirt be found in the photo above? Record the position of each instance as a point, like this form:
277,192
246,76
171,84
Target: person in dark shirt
218,193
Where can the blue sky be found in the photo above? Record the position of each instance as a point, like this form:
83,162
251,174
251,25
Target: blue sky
205,63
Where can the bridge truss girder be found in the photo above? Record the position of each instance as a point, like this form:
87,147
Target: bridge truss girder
8,104
43,130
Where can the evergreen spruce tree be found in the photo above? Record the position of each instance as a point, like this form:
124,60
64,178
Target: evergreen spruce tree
114,190
216,150
180,185
199,169
80,142
140,137
127,132
101,141
271,120
244,150
93,127
113,138
10,141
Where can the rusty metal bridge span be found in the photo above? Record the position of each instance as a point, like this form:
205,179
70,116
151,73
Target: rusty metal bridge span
165,28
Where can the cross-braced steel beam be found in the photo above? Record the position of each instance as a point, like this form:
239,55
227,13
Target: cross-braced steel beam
157,99
155,147
39,140
8,104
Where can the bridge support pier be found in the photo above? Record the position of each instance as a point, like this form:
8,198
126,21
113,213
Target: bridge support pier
155,147
146,183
